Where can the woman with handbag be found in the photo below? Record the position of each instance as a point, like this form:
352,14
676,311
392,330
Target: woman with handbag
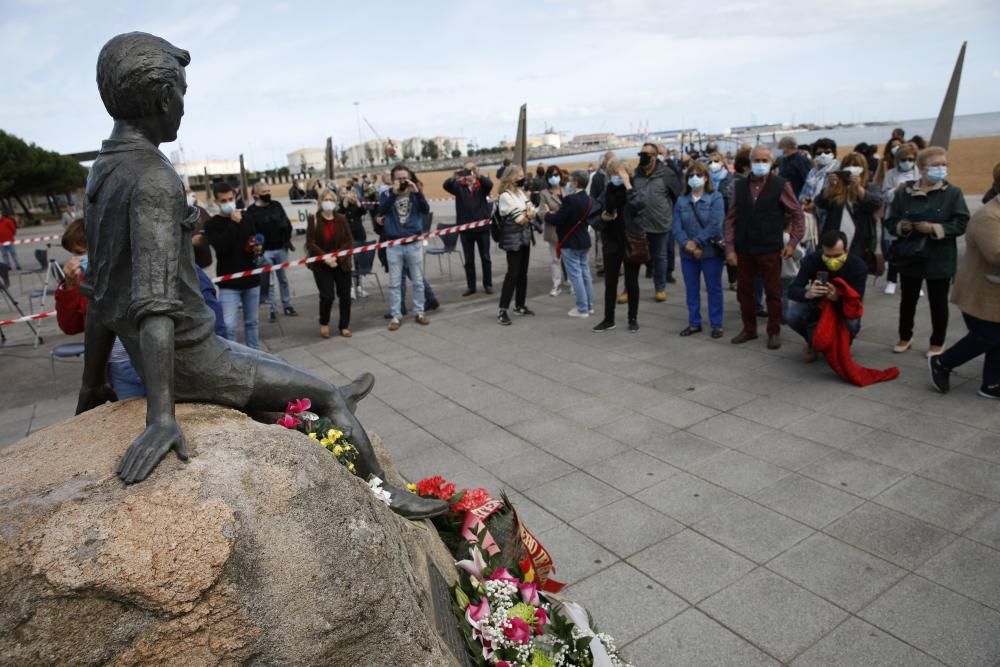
697,226
904,169
328,231
517,214
573,240
927,216
621,202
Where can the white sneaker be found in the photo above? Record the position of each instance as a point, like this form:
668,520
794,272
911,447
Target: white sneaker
577,313
555,291
591,311
890,288
354,295
572,291
362,292
921,292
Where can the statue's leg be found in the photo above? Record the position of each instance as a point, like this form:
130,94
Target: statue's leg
276,383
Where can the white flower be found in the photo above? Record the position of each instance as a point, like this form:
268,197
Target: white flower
375,484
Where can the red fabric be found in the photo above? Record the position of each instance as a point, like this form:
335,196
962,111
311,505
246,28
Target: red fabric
834,340
71,308
8,228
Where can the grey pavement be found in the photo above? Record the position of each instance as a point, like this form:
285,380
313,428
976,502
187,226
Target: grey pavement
711,504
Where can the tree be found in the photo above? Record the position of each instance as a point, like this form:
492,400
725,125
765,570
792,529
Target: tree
430,150
28,169
456,153
369,154
408,152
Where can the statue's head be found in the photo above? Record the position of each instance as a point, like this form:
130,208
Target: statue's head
141,78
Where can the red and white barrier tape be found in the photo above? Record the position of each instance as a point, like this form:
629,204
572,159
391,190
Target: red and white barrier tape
33,239
26,318
353,251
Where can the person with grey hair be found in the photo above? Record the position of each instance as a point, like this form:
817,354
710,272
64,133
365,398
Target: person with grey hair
573,244
793,166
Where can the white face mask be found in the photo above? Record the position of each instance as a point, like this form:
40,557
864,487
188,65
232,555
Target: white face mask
227,208
824,159
192,199
855,171
329,206
715,166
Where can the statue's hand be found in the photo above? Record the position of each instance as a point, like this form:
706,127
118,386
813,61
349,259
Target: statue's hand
149,449
92,397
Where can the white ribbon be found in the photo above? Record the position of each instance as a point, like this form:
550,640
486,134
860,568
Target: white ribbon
578,615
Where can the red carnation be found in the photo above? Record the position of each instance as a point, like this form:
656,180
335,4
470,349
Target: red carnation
471,499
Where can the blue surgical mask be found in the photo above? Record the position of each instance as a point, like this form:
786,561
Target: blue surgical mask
760,169
84,263
227,208
936,174
554,180
617,180
696,182
905,165
570,189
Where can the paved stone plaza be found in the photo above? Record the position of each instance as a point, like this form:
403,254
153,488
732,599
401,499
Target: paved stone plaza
711,504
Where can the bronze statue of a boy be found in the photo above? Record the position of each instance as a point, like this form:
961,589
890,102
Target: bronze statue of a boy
144,288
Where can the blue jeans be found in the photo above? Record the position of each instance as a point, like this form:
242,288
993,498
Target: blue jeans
659,245
785,284
802,317
124,380
693,269
408,258
231,300
279,256
983,338
428,292
577,263
10,256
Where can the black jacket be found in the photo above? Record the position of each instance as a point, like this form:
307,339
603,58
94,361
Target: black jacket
854,272
272,222
574,208
470,205
794,168
863,212
233,243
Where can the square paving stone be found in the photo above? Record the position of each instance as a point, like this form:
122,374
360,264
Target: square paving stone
984,445
807,500
680,448
719,396
828,430
529,469
863,411
534,517
967,473
457,429
575,555
695,640
896,451
853,474
900,539
728,430
771,412
574,495
931,429
936,503
987,531
635,429
848,577
784,449
753,531
626,526
738,472
625,603
857,643
679,413
692,565
952,628
687,498
582,448
773,613
968,568
494,444
631,471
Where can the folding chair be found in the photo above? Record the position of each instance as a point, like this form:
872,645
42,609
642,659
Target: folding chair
363,262
64,351
449,241
42,256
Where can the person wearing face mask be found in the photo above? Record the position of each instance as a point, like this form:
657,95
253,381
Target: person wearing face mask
904,171
888,161
233,237
659,188
814,283
518,215
933,213
763,204
850,207
619,203
598,184
472,191
573,240
825,157
297,191
697,226
551,200
268,218
329,231
794,166
403,208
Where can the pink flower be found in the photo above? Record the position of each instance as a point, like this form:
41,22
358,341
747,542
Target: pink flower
301,405
503,663
475,613
529,593
519,631
474,567
501,574
541,620
289,421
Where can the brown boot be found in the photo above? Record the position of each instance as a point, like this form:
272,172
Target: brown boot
324,331
774,342
743,337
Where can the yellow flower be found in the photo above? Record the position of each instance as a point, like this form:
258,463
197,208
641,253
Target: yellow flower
325,442
350,466
313,435
334,434
412,488
338,450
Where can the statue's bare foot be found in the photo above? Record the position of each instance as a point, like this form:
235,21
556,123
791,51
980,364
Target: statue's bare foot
357,390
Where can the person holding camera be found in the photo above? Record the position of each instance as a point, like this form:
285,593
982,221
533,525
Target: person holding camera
234,239
814,283
472,191
402,208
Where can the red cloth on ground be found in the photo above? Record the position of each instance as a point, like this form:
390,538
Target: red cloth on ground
834,340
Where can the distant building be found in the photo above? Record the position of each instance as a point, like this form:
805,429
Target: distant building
363,155
304,159
600,139
196,168
756,129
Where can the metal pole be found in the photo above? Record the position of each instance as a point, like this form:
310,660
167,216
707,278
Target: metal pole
209,195
243,180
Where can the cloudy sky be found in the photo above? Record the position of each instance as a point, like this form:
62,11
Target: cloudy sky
269,77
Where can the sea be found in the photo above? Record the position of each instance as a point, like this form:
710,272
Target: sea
968,126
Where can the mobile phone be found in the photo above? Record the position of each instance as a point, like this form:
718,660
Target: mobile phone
843,175
822,277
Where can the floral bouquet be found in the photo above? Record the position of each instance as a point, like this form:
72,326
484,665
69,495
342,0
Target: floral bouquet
510,622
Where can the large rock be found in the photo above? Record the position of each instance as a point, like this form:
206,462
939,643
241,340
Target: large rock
261,550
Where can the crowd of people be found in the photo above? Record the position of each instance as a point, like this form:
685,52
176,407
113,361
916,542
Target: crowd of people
796,230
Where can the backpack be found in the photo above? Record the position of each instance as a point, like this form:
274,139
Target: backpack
496,223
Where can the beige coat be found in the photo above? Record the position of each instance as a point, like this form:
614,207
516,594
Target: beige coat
977,283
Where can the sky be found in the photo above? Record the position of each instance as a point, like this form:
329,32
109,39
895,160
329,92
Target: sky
267,78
